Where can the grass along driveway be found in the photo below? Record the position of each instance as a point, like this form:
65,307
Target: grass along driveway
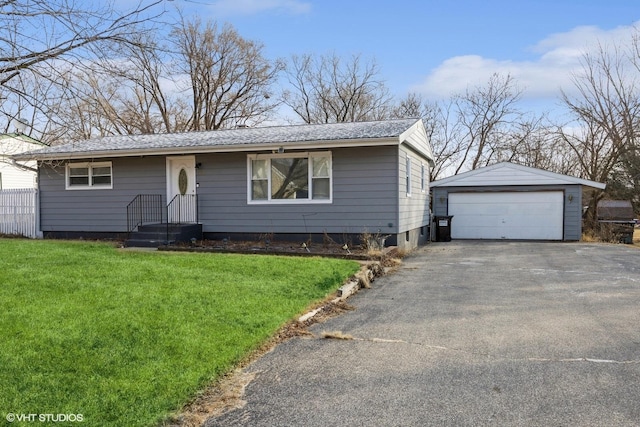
126,338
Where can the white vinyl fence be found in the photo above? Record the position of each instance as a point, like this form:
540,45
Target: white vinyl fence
19,212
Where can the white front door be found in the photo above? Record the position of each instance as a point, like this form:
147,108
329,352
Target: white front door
181,189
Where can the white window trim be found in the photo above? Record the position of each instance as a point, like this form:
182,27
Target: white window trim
309,155
90,166
423,177
408,175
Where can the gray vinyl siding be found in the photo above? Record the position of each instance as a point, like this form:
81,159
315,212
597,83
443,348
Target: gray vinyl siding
414,209
419,141
573,212
364,196
572,203
98,210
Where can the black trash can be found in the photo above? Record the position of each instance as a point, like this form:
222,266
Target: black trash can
443,228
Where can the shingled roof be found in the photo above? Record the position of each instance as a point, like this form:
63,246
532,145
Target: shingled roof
298,136
615,210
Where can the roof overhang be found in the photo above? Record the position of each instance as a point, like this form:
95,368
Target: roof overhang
290,146
528,176
416,138
399,132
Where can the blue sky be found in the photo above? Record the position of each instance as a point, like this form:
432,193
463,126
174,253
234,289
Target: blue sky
436,48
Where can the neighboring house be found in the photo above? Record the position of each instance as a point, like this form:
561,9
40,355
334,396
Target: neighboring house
292,182
21,174
510,201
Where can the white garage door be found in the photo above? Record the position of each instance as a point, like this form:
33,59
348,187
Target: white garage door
509,215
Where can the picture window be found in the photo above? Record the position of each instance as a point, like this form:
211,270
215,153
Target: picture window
288,178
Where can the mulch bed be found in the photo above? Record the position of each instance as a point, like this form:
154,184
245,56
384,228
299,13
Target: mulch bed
276,248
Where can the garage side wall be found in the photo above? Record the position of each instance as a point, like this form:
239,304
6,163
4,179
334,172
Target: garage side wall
572,228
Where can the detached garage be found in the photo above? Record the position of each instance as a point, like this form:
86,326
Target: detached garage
512,202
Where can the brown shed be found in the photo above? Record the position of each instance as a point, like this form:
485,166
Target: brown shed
615,210
616,216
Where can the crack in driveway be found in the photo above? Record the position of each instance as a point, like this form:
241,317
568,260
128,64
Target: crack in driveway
346,337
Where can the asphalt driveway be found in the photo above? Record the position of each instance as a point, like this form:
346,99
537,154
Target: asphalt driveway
466,334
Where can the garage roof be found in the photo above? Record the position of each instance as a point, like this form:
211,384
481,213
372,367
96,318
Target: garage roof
511,174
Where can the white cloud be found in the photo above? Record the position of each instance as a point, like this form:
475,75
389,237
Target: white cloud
249,7
555,59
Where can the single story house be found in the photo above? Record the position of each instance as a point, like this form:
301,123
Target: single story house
17,175
510,201
290,182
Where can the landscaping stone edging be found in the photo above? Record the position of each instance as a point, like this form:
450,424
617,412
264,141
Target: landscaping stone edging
362,279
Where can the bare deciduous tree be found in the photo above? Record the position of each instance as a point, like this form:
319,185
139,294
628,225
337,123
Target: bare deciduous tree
606,111
329,89
485,115
229,78
207,79
481,127
534,142
442,130
40,36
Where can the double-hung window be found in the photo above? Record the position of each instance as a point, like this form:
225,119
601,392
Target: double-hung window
81,176
290,178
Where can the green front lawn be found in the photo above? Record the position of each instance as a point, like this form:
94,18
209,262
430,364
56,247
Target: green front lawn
126,338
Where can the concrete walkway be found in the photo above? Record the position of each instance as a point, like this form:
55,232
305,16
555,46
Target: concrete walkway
468,334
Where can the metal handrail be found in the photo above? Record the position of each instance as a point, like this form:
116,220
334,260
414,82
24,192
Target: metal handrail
183,208
144,209
149,208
